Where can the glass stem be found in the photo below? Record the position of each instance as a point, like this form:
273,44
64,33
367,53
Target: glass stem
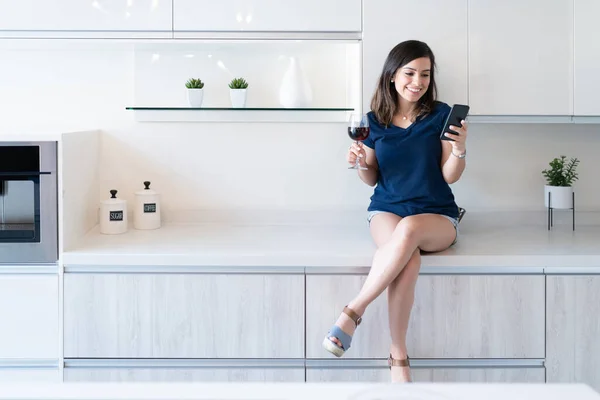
357,163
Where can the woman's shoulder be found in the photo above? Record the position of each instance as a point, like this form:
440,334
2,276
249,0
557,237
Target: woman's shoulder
440,108
373,121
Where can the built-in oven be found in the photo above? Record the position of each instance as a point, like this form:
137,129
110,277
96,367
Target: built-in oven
28,202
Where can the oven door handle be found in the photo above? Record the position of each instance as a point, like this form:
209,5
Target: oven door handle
24,173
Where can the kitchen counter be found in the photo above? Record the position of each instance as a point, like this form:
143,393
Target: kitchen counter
503,242
42,134
283,391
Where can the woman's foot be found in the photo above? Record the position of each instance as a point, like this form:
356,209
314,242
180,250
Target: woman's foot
339,338
346,324
399,370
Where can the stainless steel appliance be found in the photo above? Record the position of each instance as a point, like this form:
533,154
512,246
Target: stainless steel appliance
28,202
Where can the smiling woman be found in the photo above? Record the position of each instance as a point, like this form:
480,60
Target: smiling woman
412,208
413,82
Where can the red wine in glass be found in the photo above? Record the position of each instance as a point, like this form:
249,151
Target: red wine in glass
358,130
359,134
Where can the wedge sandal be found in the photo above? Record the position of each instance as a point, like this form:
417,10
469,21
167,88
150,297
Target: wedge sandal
342,336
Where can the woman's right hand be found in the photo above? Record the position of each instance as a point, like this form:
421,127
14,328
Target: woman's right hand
357,150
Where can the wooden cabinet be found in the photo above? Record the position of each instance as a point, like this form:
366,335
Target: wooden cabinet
31,375
454,316
480,375
520,57
586,57
470,375
267,16
183,375
56,17
183,316
445,32
29,316
573,329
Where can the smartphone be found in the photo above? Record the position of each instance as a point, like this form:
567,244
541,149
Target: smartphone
458,113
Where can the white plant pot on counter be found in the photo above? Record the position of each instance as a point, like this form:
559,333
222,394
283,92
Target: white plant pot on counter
238,97
561,197
195,97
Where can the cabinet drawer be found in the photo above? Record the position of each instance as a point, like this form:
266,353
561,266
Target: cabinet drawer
183,316
29,315
466,375
183,375
32,375
454,316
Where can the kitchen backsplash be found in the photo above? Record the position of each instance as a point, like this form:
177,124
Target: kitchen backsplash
258,165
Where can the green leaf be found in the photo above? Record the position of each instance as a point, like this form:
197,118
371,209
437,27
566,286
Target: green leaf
561,172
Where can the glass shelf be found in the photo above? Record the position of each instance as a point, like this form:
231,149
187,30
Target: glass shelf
239,109
246,114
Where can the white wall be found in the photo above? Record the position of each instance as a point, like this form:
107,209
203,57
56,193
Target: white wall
255,166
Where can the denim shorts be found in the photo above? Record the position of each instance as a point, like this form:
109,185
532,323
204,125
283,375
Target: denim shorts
453,220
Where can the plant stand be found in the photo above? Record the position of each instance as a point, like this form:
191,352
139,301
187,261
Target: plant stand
551,211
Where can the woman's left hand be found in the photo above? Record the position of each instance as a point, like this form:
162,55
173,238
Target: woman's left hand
459,145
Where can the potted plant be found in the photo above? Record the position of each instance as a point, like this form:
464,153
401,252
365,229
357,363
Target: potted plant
195,92
237,92
560,177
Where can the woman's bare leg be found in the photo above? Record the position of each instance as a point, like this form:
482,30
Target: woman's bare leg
429,232
400,293
401,297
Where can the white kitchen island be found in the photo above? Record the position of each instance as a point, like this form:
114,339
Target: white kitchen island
248,297
288,391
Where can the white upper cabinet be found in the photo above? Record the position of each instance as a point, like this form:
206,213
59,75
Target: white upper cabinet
587,57
520,57
389,22
267,15
90,18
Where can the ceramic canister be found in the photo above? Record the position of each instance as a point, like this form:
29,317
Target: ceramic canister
113,215
146,211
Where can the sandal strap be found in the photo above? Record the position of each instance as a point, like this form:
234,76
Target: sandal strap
393,362
353,315
342,336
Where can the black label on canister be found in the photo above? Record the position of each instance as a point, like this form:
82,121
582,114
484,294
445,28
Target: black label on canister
116,215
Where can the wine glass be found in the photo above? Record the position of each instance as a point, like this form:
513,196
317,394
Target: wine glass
358,130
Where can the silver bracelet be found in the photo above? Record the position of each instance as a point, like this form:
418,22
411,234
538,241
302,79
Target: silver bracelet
461,156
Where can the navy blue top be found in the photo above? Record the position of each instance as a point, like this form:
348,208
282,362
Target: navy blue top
410,177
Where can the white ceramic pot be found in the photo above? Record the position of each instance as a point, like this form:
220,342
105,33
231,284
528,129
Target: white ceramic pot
295,90
113,215
195,97
561,197
146,210
238,97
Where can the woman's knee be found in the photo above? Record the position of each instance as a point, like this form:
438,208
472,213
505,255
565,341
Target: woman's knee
407,232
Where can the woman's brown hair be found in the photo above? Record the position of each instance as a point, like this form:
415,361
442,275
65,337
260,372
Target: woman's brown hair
384,103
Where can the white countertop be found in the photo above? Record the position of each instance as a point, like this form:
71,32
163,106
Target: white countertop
32,134
487,240
292,391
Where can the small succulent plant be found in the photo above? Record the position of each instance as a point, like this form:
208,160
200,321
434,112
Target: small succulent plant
194,84
238,83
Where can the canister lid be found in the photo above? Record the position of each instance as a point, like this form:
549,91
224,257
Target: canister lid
146,191
113,198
